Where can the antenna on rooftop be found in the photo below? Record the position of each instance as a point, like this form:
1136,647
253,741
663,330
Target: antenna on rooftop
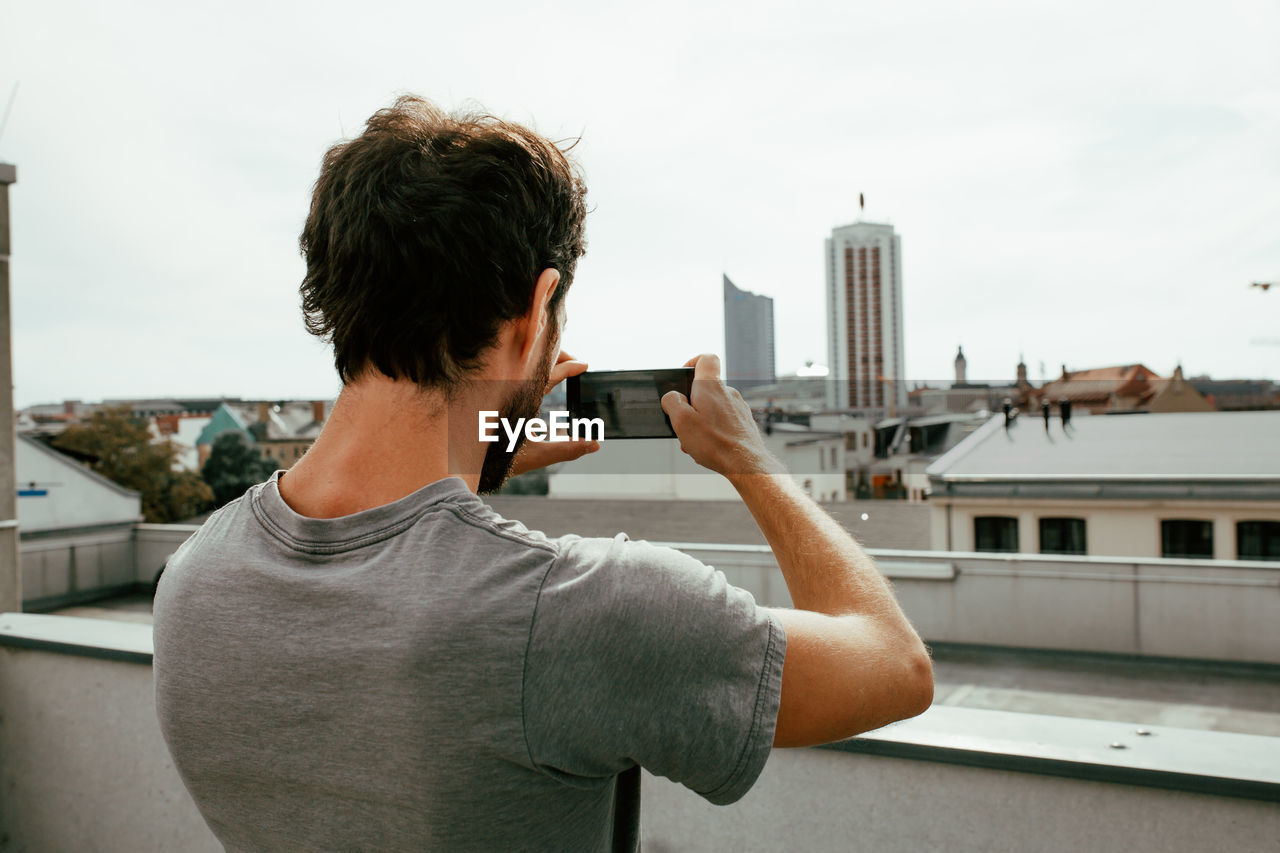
8,108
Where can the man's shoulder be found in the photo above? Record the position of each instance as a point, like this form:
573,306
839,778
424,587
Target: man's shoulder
473,511
619,556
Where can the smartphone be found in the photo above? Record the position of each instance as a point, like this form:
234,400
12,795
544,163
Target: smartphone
628,401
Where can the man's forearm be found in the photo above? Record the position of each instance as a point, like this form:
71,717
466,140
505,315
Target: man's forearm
824,567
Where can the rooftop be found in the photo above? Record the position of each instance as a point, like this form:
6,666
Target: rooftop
1139,447
887,524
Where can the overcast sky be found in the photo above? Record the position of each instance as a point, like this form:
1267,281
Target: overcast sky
1089,183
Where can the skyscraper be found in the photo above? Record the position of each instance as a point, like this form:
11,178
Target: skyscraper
864,318
748,337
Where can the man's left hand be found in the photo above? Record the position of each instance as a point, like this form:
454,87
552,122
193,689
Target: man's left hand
539,454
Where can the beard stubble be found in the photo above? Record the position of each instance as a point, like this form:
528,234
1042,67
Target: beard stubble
524,402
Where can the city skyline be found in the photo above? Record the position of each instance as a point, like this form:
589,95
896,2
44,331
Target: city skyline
1093,213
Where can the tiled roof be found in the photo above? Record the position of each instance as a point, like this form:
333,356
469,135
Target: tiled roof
1098,384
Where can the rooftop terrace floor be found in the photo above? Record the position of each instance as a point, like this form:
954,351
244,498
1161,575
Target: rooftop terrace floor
1241,698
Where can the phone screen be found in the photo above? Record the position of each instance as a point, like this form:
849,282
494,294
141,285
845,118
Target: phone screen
628,401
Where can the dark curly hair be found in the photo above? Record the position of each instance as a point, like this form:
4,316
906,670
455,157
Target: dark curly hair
427,232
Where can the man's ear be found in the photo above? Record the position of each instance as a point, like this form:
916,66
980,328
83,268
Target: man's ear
537,322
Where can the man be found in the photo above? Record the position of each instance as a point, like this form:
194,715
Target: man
360,654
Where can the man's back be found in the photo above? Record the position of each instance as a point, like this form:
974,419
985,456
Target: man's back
427,675
393,666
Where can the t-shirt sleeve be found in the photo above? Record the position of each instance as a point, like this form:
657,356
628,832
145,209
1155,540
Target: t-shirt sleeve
643,655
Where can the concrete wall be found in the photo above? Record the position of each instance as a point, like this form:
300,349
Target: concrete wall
62,569
822,800
82,762
84,767
153,544
1113,528
1167,608
1222,610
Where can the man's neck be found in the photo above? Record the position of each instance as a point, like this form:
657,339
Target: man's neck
384,439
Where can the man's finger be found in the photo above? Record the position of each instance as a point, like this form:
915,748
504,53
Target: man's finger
707,367
582,448
563,370
677,407
535,455
567,451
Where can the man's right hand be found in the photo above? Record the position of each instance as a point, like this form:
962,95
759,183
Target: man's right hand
716,426
853,662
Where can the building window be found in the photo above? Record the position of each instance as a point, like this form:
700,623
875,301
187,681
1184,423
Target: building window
995,533
1258,540
1186,538
1062,536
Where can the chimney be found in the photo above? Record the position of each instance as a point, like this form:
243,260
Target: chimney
263,409
317,411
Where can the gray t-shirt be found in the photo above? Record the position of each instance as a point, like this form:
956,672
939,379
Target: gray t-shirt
427,675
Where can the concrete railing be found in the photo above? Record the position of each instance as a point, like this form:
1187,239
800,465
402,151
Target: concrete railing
83,767
154,544
71,568
1204,609
79,566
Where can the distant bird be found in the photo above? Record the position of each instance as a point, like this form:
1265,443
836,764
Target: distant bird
1265,285
862,203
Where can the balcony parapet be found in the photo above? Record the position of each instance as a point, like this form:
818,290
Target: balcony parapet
77,705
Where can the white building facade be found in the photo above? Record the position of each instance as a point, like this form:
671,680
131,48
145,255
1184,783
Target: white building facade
864,318
1187,485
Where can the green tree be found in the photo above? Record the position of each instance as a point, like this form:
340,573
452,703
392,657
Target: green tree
118,446
233,466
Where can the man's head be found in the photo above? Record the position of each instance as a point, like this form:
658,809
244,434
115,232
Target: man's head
427,233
